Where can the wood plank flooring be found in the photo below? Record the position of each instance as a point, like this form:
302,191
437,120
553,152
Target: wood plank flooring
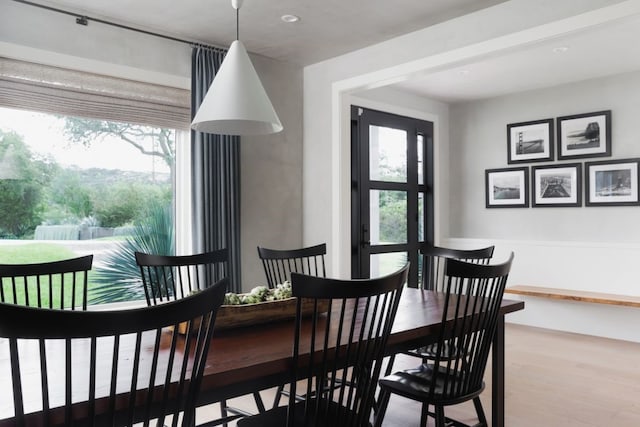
552,379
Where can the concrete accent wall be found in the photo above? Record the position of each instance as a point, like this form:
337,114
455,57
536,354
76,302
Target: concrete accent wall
271,166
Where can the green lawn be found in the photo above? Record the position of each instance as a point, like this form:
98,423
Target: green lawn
33,253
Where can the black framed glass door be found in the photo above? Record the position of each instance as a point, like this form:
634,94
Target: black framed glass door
392,192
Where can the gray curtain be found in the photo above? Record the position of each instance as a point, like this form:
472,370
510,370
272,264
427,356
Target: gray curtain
215,174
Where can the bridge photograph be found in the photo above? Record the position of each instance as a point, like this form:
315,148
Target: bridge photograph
530,141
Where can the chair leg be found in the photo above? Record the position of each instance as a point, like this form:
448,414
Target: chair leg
276,401
259,403
480,411
424,414
383,402
223,411
440,419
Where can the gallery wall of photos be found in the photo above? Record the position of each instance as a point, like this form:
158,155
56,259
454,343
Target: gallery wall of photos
564,180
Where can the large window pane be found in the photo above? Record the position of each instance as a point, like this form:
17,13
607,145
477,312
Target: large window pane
388,217
387,154
76,186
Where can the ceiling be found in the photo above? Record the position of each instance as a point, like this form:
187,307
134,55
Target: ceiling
600,51
328,28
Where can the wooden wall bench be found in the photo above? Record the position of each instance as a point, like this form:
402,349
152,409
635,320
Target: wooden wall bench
573,295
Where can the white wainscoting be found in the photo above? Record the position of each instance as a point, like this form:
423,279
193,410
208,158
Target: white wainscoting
597,267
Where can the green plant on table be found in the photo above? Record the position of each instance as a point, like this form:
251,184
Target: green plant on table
259,294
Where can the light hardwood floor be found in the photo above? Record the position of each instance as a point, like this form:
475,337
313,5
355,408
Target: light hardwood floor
552,379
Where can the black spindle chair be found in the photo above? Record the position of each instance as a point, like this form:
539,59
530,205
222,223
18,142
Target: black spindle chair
171,277
434,258
433,262
472,298
57,285
111,368
344,337
280,263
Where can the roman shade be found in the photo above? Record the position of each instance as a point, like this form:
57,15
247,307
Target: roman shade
54,90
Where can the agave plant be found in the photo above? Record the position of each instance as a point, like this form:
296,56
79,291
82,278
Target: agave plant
118,277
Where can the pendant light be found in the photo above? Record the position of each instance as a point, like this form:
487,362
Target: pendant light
236,103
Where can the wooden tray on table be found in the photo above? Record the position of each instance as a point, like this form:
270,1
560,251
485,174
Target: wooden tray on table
236,316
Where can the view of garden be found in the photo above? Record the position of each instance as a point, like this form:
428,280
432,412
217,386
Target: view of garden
72,186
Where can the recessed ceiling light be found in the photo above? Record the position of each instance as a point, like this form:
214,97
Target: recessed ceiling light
289,19
560,49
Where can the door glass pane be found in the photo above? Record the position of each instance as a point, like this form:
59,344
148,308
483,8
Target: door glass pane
420,159
383,264
420,217
388,217
387,154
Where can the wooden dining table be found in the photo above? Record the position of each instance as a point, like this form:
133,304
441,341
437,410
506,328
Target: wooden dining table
258,357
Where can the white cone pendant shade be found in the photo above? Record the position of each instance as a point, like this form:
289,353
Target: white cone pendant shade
236,103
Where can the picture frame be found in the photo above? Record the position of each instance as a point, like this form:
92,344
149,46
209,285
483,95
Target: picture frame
557,185
612,182
507,188
584,135
530,141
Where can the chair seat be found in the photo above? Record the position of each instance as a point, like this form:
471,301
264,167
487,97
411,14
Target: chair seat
415,384
277,417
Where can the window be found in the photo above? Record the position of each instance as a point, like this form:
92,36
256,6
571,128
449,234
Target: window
86,163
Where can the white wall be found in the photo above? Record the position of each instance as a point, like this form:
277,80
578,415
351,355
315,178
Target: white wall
327,86
586,248
590,241
271,178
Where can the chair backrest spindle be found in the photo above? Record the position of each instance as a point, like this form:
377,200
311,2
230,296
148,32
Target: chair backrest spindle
170,277
56,285
280,263
434,259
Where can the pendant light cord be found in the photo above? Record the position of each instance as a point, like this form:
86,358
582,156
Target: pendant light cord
238,24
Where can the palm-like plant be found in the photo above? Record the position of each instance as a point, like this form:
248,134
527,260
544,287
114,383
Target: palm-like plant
118,277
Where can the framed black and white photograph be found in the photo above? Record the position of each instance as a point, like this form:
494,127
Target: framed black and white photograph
557,185
530,141
612,183
507,188
584,135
